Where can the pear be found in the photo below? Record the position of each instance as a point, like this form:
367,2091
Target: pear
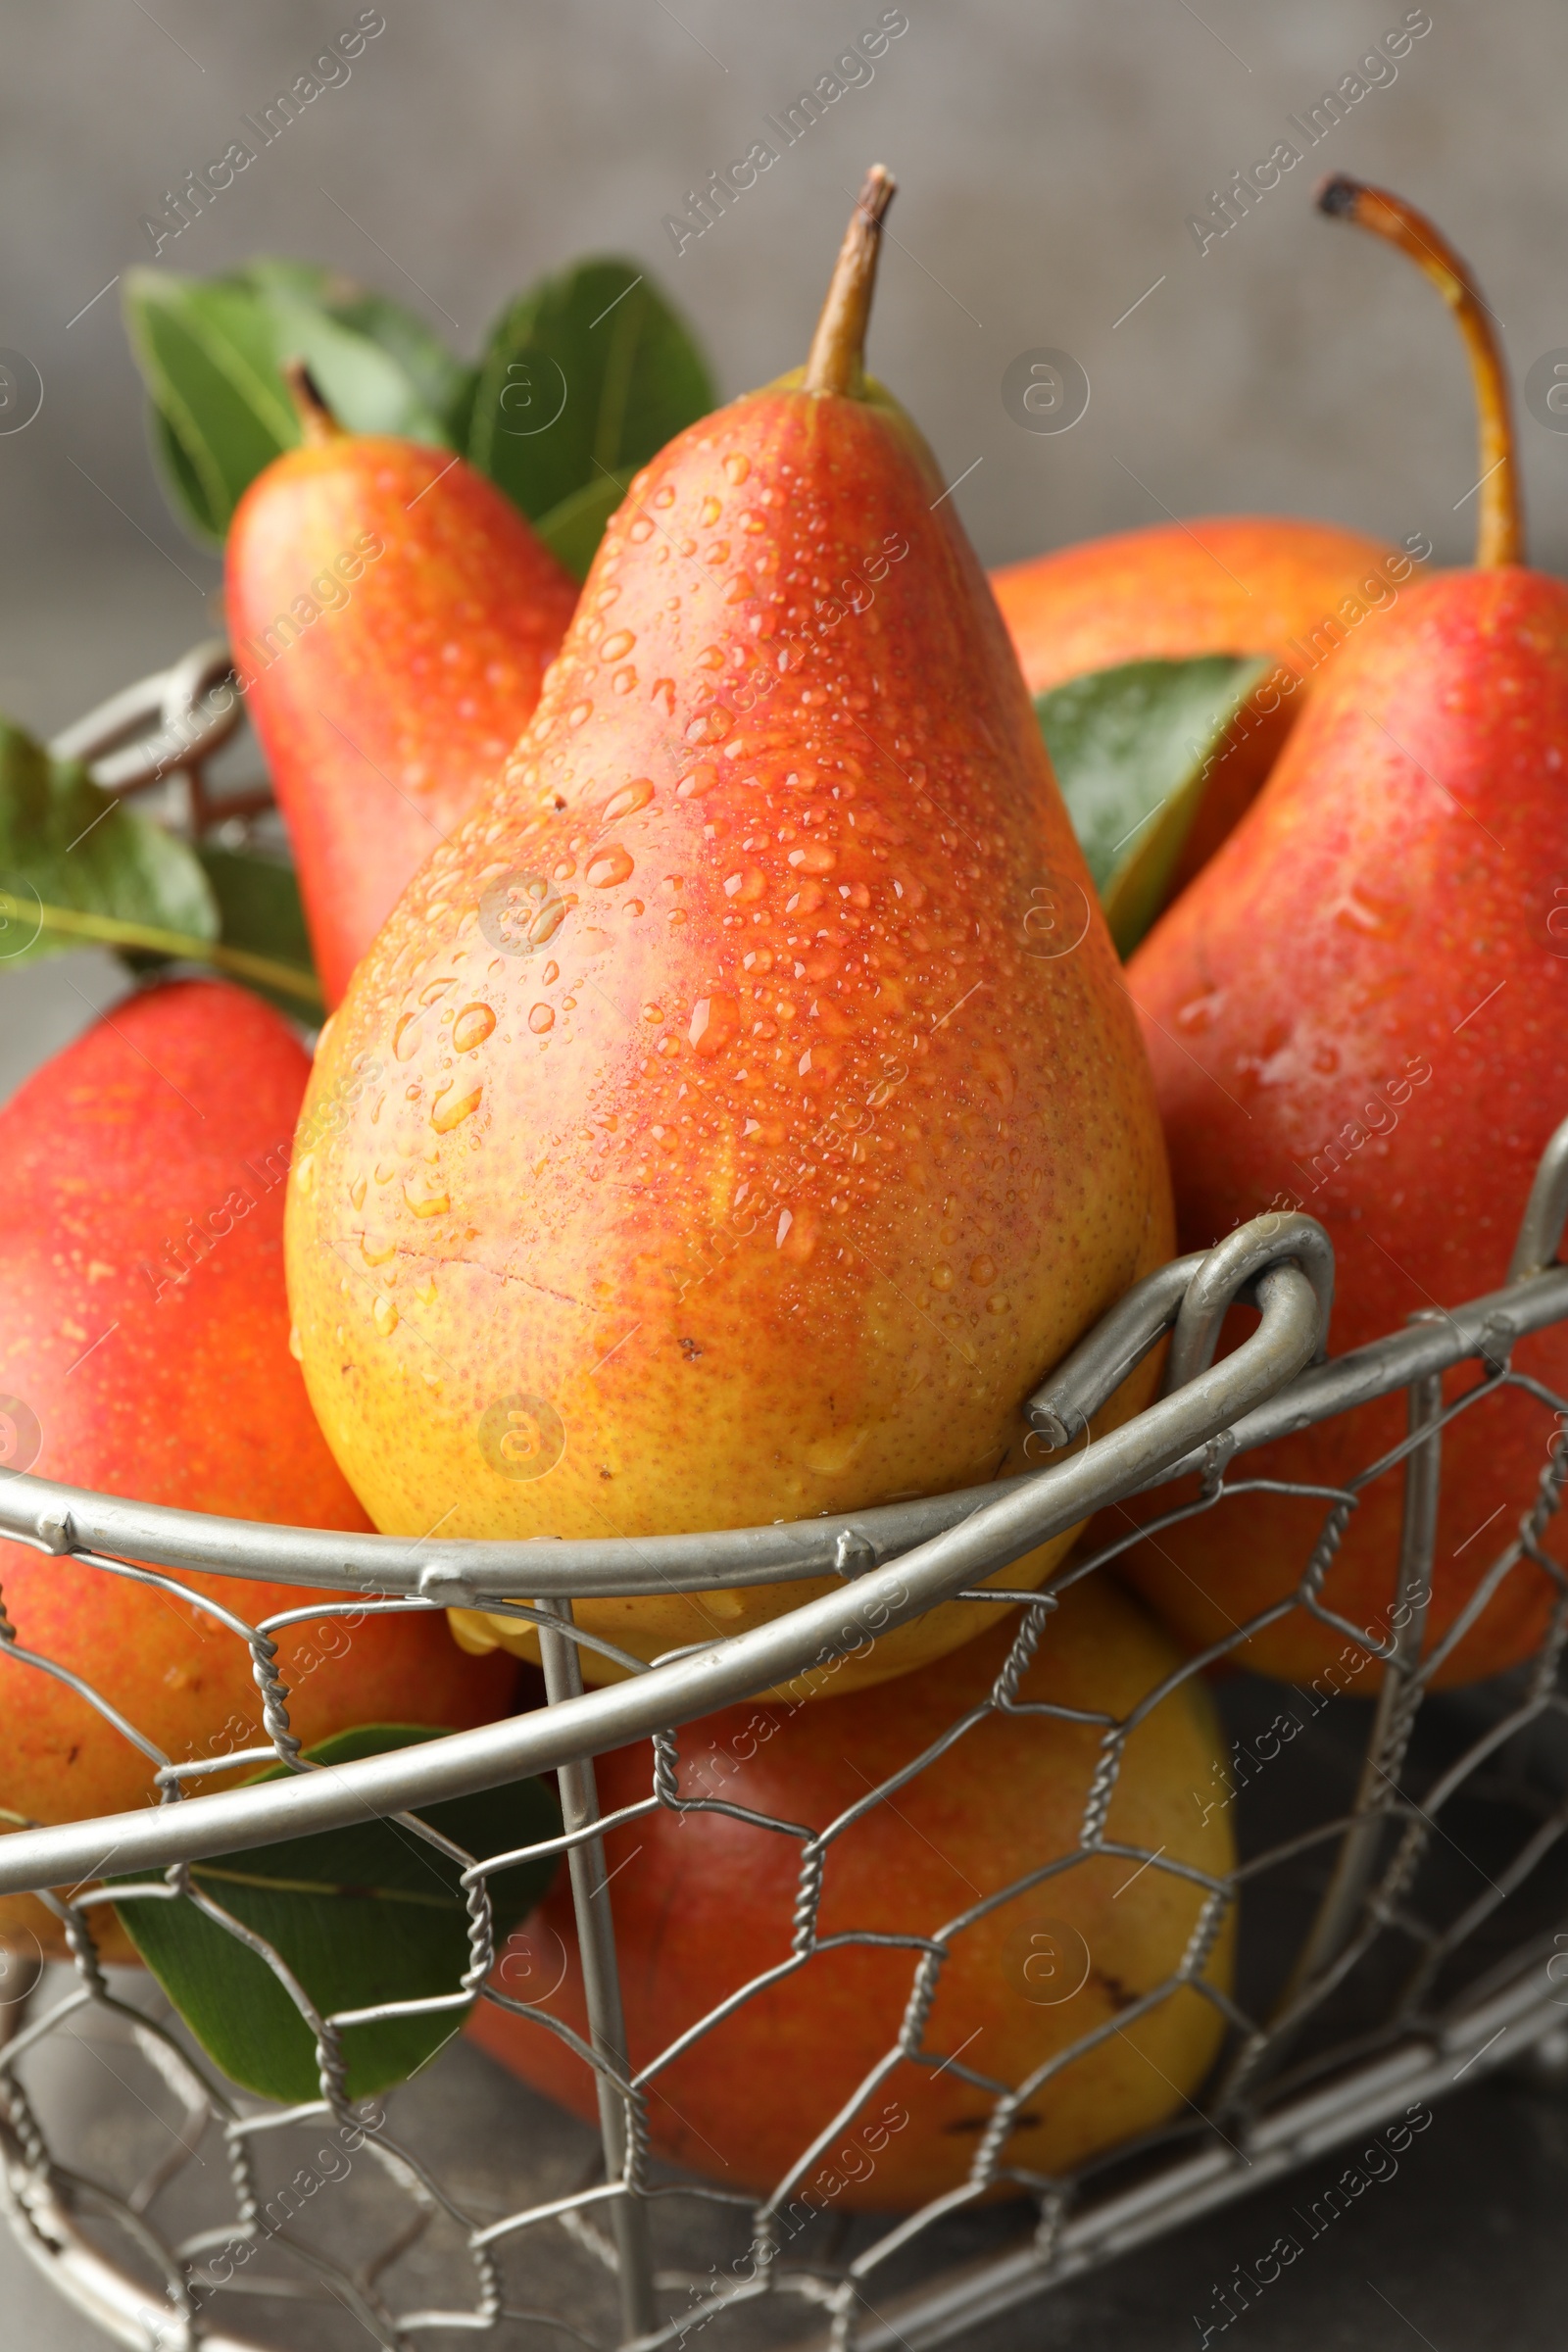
1359,1009
706,1901
762,1110
392,618
1274,584
146,1351
1218,584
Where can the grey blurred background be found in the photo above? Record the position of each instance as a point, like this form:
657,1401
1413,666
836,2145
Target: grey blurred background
1049,156
1049,153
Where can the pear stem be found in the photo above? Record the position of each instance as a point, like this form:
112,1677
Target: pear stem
1500,526
837,360
317,425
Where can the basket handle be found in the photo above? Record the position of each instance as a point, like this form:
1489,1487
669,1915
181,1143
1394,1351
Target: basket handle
1546,1213
1190,1296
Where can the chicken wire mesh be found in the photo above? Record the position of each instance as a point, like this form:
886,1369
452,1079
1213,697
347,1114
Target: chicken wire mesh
1398,1877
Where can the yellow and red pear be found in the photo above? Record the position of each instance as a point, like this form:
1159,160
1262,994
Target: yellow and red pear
706,1901
1361,1008
1274,584
392,618
763,1112
146,1355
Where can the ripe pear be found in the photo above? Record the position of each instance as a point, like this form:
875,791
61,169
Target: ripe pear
1218,584
1361,1009
392,616
146,1354
763,1113
1270,584
706,1902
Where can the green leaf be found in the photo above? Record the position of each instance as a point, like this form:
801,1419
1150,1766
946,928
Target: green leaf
443,382
259,911
587,373
1134,749
460,415
585,378
210,352
317,282
361,1916
574,529
69,848
438,378
207,356
187,490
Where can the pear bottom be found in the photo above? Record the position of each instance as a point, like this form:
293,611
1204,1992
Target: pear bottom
652,1628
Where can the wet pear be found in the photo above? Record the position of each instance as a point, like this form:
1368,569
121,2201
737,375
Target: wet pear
1358,1009
1274,584
706,1902
392,618
757,1111
147,1356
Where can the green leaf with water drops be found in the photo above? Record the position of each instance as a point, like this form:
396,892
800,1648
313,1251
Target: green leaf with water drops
72,857
589,374
1135,749
361,1916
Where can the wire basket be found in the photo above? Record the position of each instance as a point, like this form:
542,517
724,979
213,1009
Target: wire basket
1374,1977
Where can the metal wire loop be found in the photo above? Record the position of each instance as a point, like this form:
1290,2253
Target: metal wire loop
1281,1237
1545,1212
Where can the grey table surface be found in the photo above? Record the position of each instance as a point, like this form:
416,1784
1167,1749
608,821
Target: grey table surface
1461,2250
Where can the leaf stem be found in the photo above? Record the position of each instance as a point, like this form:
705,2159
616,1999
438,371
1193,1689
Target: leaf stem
1499,527
111,931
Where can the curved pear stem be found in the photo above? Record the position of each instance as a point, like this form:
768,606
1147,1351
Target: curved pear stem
317,425
837,360
1499,527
